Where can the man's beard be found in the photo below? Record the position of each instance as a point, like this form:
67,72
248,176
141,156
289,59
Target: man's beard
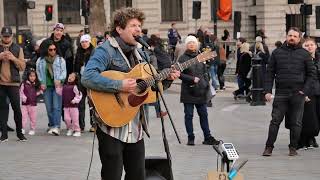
6,43
292,43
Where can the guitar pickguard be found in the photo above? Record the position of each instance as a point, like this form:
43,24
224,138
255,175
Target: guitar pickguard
134,100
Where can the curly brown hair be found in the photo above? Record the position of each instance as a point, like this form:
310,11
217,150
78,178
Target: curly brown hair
123,15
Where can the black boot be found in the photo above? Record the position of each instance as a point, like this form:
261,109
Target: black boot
211,141
190,141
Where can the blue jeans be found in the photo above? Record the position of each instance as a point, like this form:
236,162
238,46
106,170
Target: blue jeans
203,114
53,103
214,76
240,82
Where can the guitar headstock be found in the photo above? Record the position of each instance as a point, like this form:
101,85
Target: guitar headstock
206,56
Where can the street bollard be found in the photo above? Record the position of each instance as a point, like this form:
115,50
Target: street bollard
257,82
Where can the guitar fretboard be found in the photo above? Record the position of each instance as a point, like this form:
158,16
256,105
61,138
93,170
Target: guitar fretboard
164,74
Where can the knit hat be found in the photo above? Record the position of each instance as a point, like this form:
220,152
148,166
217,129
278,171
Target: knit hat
191,39
85,37
258,39
58,25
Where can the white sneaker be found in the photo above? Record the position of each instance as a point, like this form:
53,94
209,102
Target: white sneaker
77,134
69,132
56,131
23,131
50,131
31,132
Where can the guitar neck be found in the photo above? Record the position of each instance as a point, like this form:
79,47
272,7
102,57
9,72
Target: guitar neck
164,74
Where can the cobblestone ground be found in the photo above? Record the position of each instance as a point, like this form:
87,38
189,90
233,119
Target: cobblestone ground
46,157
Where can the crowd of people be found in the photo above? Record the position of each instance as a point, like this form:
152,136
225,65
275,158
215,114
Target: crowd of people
62,76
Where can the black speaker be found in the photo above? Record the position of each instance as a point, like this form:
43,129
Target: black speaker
236,23
295,1
306,9
196,9
158,168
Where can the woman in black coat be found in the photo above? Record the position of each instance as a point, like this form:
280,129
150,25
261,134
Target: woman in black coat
311,114
83,54
242,70
194,92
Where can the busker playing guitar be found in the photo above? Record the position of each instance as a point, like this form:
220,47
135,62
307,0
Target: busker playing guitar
120,146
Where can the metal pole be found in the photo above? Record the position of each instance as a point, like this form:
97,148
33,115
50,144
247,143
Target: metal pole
257,82
215,19
196,23
86,24
47,31
17,20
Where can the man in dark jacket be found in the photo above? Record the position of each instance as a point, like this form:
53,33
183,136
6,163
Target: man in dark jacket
173,36
64,48
11,63
293,71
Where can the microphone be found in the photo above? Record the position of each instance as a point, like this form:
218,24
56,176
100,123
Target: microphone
142,42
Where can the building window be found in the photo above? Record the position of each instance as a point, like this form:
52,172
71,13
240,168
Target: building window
69,11
171,10
295,1
295,20
117,4
9,7
317,17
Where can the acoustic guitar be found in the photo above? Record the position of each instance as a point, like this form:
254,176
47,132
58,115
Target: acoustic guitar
118,109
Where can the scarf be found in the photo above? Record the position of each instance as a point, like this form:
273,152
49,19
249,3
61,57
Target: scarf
49,61
127,50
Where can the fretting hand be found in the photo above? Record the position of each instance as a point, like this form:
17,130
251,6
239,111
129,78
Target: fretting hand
174,75
196,80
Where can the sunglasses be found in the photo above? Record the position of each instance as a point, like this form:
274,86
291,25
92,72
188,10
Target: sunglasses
52,49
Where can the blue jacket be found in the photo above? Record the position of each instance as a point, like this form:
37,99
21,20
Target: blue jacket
173,36
59,69
107,56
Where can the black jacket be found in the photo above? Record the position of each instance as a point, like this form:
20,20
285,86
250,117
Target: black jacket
82,57
316,84
243,65
291,68
191,92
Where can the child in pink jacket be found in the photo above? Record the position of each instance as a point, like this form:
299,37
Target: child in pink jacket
71,97
28,95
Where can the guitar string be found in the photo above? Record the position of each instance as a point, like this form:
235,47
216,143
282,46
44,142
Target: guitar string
150,81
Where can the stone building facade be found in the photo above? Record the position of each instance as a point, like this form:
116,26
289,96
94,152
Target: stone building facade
270,15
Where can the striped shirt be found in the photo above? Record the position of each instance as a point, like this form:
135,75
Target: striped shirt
130,133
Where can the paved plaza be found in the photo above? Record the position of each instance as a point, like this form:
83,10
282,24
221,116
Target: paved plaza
45,157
